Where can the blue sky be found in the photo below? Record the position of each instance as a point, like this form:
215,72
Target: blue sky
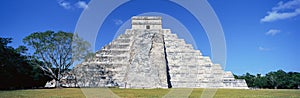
261,35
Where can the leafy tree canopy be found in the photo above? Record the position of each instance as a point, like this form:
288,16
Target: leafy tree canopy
274,79
58,50
17,70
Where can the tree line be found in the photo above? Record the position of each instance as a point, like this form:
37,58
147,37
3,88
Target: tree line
273,80
53,54
18,71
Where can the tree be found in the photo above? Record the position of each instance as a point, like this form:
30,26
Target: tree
249,79
294,80
57,50
236,76
260,81
277,79
16,70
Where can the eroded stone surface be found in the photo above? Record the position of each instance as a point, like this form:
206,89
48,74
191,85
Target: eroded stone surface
147,56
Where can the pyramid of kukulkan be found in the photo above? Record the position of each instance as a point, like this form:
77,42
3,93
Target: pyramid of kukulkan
148,56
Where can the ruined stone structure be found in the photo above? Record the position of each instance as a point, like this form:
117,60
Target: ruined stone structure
148,56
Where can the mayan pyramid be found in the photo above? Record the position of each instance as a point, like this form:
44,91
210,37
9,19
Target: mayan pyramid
148,56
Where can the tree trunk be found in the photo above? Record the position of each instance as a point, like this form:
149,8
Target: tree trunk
58,78
57,84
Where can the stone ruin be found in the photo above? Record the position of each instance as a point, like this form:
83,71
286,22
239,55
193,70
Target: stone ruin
148,56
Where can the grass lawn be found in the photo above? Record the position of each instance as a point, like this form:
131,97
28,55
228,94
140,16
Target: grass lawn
142,93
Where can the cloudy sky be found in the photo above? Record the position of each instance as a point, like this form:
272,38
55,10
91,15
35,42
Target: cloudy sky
261,35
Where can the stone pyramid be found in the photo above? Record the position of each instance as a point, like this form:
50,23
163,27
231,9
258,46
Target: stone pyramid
148,56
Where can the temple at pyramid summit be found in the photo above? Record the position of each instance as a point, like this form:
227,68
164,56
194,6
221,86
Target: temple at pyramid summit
148,56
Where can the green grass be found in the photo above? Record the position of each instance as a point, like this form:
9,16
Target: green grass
144,93
262,93
42,93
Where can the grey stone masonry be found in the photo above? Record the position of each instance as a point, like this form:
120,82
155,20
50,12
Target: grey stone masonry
148,56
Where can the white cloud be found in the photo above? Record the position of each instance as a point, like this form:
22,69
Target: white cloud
274,15
64,4
280,12
118,22
260,48
82,4
272,32
288,5
70,5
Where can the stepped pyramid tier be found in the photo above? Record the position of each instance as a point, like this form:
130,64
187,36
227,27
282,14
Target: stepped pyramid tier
147,56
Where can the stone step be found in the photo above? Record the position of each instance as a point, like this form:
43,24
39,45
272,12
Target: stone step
139,57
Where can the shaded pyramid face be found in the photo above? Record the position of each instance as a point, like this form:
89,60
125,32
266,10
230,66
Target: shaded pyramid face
148,56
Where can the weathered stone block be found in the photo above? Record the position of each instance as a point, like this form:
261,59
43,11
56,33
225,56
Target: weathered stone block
148,56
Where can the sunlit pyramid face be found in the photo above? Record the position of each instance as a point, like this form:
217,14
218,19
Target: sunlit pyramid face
148,56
